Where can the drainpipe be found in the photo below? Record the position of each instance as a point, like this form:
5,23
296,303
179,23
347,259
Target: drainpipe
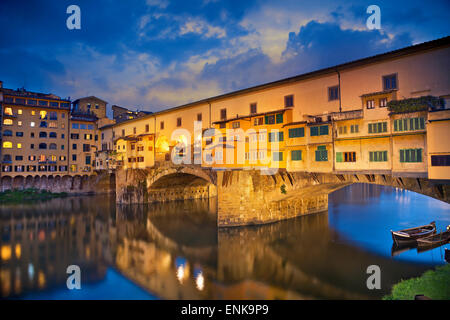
339,87
209,114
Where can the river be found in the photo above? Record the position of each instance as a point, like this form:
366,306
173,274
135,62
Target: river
175,251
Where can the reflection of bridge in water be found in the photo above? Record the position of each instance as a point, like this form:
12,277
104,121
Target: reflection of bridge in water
267,262
175,251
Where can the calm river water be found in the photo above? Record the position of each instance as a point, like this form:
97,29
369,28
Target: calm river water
175,251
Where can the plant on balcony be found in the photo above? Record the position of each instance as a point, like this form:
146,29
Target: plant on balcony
414,104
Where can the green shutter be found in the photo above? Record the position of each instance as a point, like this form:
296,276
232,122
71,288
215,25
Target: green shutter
314,131
384,155
422,123
279,118
384,126
292,133
405,124
419,155
395,125
338,156
402,155
280,136
323,130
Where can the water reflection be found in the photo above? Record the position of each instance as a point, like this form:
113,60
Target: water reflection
175,250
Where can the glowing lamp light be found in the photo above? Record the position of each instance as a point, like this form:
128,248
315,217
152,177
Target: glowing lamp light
6,252
199,280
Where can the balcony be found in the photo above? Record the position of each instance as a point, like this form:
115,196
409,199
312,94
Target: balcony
347,115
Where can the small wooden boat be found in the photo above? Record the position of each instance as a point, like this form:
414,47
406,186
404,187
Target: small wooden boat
447,255
412,234
434,240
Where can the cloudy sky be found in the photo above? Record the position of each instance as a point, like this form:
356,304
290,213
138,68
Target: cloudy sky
154,54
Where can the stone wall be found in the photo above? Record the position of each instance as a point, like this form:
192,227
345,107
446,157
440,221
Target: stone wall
101,182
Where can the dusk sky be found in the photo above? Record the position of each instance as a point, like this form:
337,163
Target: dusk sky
156,54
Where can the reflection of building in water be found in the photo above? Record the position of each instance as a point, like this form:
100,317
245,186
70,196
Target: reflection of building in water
364,193
38,244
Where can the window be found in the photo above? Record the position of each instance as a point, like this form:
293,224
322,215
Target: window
20,101
411,155
86,147
74,136
269,119
333,93
43,124
32,146
88,160
199,117
32,102
123,132
19,111
43,103
75,126
258,121
349,156
321,153
161,125
289,101
409,124
19,123
32,158
370,104
223,114
19,158
19,146
7,133
279,118
83,126
390,82
296,132
147,129
440,161
7,145
8,111
354,128
296,155
7,122
73,168
43,115
252,108
52,135
42,134
382,102
32,124
377,156
52,146
53,124
178,122
319,131
32,134
42,146
134,130
19,134
378,127
74,146
342,130
74,157
88,137
276,136
236,125
53,115
278,156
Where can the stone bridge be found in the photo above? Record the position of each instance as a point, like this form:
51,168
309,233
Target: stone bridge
248,197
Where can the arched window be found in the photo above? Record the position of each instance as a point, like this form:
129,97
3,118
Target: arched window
7,133
42,134
53,115
52,146
42,146
52,135
7,145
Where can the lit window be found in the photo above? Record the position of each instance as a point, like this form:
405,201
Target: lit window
43,114
33,112
32,124
19,111
7,145
8,111
19,123
8,122
19,146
